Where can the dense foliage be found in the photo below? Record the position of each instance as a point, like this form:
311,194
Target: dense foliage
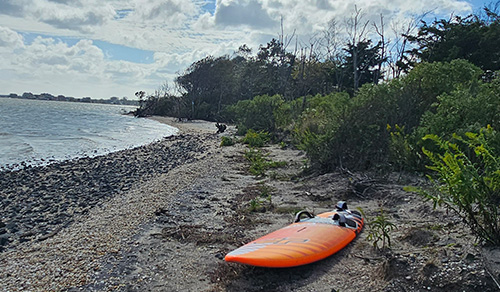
334,105
441,117
474,38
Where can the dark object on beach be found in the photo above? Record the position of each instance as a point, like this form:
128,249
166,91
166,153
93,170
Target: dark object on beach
221,128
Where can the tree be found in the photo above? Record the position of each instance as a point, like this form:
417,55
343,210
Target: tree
279,64
331,51
380,30
208,85
356,31
366,62
471,38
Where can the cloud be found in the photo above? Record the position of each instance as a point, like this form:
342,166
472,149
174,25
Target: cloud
205,22
12,7
50,65
243,13
83,16
306,18
67,17
172,13
10,39
50,56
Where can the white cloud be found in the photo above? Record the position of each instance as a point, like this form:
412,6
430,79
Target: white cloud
13,7
205,22
247,12
10,39
82,15
49,65
171,13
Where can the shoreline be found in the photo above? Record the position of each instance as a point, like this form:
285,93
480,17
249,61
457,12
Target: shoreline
68,215
79,184
189,127
45,161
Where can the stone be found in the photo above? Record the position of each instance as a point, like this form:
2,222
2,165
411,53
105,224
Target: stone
4,239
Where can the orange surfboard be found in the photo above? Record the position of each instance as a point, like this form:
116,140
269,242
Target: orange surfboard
305,241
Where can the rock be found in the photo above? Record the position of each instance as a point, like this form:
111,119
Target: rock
12,227
4,239
470,257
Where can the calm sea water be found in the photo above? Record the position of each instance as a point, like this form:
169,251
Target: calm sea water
35,131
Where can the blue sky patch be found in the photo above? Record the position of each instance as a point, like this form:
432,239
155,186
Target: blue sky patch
209,6
122,13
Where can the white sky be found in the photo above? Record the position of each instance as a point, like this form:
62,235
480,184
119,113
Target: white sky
117,47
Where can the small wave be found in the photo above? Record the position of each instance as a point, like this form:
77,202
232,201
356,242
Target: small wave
25,148
86,131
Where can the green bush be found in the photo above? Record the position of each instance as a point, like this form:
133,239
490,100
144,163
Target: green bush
468,181
322,114
322,117
227,141
259,163
256,139
288,113
466,109
354,134
402,152
257,114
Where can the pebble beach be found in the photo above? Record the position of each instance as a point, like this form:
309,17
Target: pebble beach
57,219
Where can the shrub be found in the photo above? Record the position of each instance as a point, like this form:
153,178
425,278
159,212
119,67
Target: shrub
259,163
257,114
357,137
314,127
468,181
402,152
256,139
227,141
288,113
466,109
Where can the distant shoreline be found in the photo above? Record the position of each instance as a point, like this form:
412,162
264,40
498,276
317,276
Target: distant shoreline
50,97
